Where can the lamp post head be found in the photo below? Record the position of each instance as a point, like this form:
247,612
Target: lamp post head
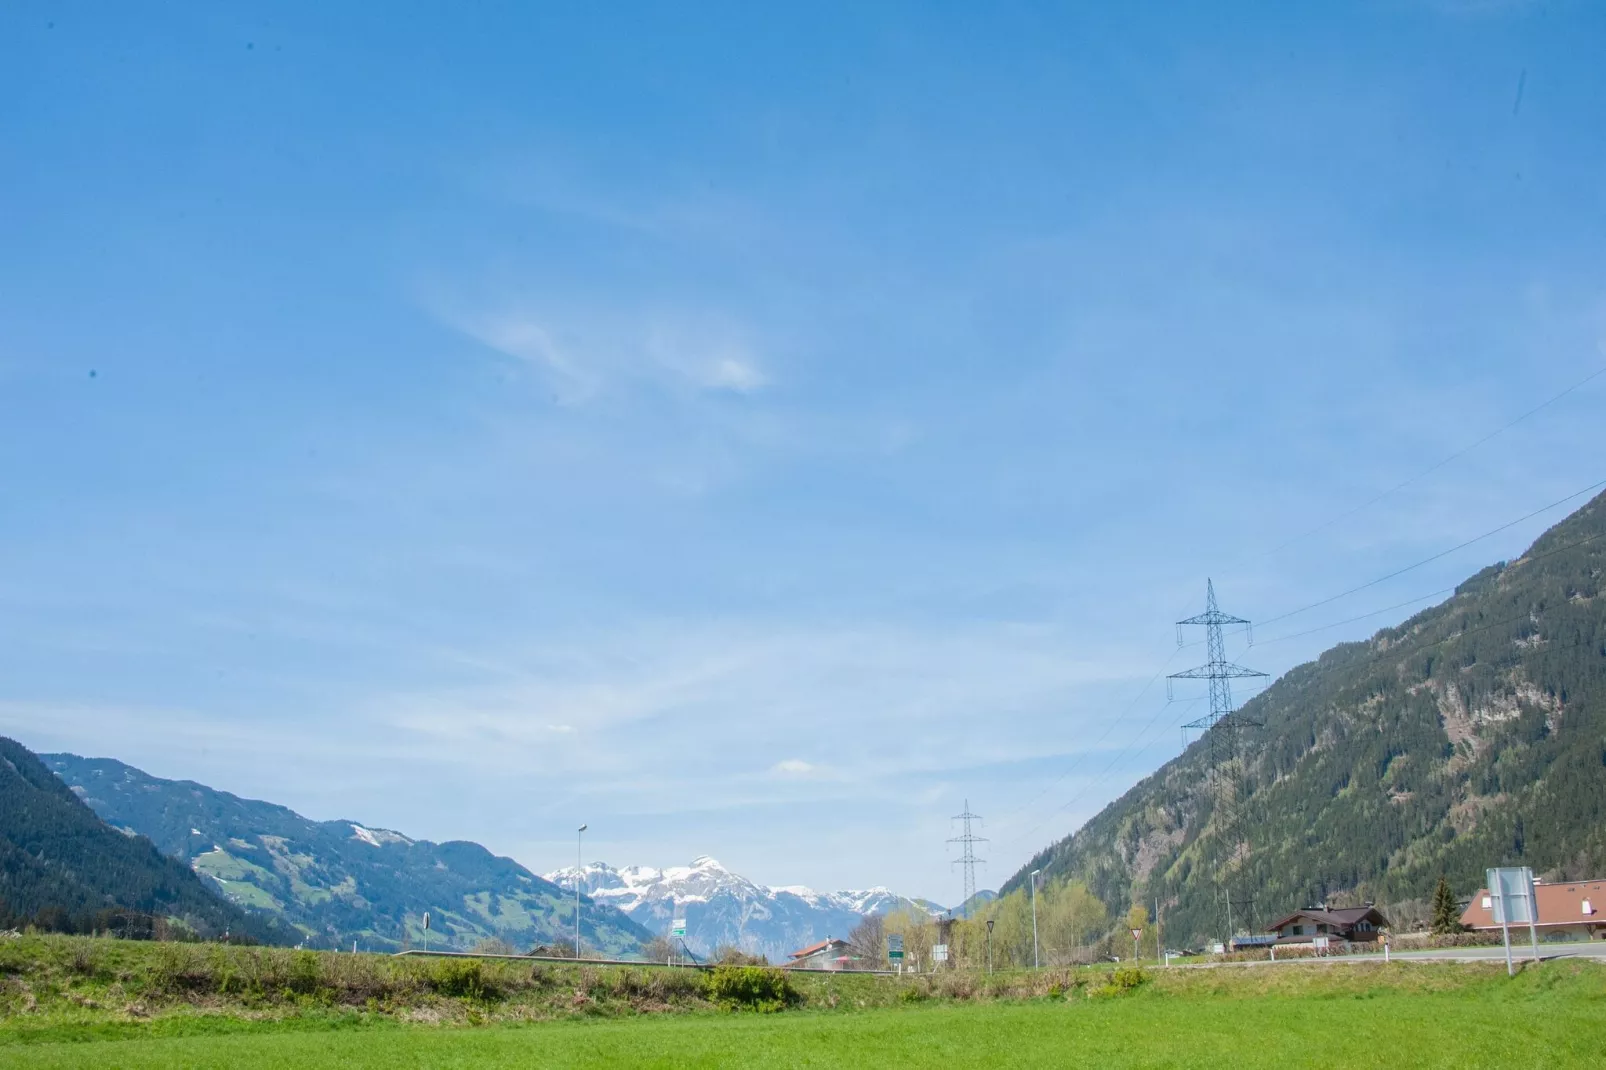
989,926
584,827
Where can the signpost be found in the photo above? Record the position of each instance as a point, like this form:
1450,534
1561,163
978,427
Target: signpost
678,927
1137,935
939,953
1319,943
1511,894
895,950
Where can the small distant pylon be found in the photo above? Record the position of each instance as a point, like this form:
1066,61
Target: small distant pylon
967,855
1221,726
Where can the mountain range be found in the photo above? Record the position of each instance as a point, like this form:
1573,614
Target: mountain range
61,866
1471,735
725,909
336,883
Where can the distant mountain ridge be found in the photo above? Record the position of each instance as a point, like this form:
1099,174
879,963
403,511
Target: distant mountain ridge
337,882
723,908
1471,735
61,864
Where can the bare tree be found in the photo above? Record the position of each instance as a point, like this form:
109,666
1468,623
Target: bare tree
868,939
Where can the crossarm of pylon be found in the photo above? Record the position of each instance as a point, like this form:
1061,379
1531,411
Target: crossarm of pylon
1218,671
1214,616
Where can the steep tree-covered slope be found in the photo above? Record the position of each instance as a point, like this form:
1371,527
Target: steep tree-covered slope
338,881
61,864
1471,735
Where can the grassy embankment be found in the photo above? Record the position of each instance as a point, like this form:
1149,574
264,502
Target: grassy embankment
76,1002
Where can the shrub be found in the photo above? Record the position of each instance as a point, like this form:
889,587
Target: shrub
758,988
729,955
1122,980
463,979
305,976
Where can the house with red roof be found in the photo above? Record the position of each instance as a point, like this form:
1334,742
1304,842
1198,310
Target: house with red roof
1568,910
828,954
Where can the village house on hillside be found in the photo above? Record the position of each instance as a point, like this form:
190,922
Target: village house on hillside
1354,925
1568,910
828,954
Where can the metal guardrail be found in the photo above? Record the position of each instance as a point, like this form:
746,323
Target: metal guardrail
421,953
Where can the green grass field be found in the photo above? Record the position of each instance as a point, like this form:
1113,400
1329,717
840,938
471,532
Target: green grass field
1393,1031
66,1003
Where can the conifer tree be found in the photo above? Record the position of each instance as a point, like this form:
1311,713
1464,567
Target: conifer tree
1446,916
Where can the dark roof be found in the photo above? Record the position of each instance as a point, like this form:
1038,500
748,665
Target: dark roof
1344,917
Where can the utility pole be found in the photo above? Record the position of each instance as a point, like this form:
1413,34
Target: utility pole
1221,726
1159,935
967,855
579,871
1035,962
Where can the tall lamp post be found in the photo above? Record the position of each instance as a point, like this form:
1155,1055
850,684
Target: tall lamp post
1035,962
579,871
989,945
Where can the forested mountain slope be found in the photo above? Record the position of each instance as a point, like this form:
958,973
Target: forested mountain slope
337,881
1471,735
62,866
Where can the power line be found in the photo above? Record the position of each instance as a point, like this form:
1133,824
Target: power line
1435,557
1074,799
1525,559
1597,373
1108,728
1352,620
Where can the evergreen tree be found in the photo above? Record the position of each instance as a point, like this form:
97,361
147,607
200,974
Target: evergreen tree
1446,915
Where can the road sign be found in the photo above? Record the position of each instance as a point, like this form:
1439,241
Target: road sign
1319,942
426,919
1137,934
939,953
895,942
895,956
1511,892
678,927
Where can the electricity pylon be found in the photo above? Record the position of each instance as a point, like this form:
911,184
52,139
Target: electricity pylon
967,857
1222,726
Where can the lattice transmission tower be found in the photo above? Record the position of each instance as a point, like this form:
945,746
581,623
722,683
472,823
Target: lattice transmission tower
967,859
1221,727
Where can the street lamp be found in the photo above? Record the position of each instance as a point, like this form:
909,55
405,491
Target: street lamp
579,870
1035,963
989,945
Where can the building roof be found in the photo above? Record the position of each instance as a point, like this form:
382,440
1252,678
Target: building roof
1343,917
1560,903
830,944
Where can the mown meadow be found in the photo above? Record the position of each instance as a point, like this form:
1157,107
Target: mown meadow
76,1001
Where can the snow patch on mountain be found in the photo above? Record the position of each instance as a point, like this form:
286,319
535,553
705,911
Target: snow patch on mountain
377,837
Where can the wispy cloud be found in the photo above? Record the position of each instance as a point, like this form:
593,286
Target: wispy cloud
583,353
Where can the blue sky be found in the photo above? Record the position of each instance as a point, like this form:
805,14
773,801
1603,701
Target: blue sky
749,431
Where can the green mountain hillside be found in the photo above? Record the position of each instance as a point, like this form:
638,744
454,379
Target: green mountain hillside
1471,735
338,881
64,867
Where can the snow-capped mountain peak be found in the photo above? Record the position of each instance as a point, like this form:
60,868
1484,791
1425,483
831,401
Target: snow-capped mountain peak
725,908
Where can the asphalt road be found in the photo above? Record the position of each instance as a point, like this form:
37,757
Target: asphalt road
1521,951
